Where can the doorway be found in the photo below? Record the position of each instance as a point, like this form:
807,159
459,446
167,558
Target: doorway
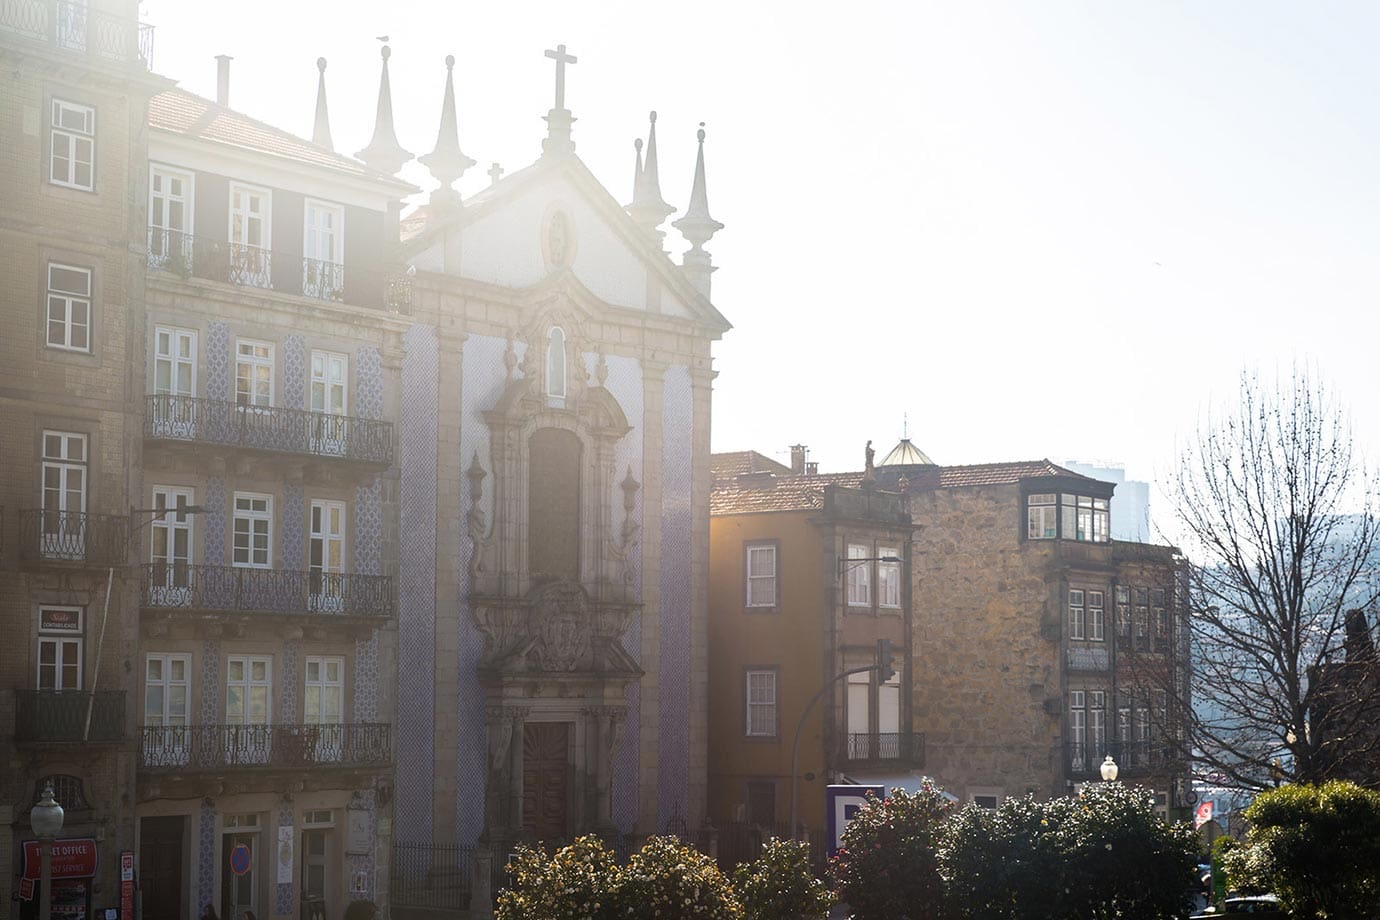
160,866
546,780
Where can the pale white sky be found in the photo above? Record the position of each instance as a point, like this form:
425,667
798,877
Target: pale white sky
1040,229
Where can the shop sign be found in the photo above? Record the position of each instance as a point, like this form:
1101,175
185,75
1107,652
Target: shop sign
73,857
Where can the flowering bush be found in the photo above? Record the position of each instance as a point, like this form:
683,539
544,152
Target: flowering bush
780,886
887,868
580,882
665,879
671,881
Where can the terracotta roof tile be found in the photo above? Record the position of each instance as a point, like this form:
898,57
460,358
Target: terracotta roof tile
738,462
188,114
780,493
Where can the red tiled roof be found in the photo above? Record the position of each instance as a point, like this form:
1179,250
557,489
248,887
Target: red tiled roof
188,114
743,494
738,462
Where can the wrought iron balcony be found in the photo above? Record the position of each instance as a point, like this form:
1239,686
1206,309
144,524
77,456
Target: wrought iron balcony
60,715
271,428
72,537
234,589
1133,758
323,280
873,747
73,26
218,747
397,292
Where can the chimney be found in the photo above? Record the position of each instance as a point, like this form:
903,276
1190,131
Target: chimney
812,468
223,79
798,459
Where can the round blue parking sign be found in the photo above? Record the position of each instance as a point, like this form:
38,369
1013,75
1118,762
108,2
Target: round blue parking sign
239,859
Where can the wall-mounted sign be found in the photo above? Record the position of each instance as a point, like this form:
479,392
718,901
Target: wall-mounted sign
841,803
59,619
73,857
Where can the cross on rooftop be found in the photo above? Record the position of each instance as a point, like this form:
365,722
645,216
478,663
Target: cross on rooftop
495,173
561,59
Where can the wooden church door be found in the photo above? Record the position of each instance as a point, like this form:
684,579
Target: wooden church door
546,779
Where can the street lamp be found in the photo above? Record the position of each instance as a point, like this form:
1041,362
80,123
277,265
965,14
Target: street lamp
46,820
1109,770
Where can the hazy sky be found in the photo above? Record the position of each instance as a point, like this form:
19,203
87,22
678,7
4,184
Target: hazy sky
1039,229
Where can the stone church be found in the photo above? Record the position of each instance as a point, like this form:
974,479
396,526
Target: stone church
553,517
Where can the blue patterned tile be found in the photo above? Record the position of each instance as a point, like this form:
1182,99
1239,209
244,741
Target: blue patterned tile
362,864
368,382
220,381
289,681
295,373
213,541
206,855
414,701
282,901
293,519
673,659
210,682
368,528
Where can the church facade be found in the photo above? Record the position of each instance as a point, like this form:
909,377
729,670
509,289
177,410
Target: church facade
553,524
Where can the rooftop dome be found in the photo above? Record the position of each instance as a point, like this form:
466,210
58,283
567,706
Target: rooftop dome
906,454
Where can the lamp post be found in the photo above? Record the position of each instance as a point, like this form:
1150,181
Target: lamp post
1109,770
46,820
157,515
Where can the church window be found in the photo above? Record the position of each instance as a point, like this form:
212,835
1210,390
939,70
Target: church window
555,363
761,703
553,515
761,575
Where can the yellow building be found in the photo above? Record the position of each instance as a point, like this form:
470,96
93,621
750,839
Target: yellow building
807,573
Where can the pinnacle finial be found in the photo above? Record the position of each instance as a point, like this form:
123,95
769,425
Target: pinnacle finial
321,128
446,162
384,153
697,226
648,209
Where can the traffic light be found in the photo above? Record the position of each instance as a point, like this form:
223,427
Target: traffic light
886,665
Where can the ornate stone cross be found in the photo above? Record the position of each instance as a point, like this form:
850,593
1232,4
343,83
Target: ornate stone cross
561,59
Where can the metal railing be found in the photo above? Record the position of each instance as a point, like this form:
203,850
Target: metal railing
438,875
250,590
70,536
216,747
1132,757
60,715
73,26
323,280
397,293
275,428
908,747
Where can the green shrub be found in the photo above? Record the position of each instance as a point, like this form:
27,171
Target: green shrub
1317,847
887,868
780,886
580,882
671,881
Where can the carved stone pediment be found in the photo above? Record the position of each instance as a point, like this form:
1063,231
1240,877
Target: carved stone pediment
556,629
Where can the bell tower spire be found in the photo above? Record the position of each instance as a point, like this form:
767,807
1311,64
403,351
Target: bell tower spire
384,153
648,209
446,162
698,227
321,129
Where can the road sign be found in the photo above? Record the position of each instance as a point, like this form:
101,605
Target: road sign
240,859
841,803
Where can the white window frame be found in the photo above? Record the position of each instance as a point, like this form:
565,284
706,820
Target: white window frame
1077,614
250,263
326,526
889,579
858,715
1042,516
63,527
1097,724
174,360
71,137
252,360
252,515
1097,615
319,381
1078,730
59,639
761,708
173,588
755,581
889,705
174,747
336,231
69,301
859,577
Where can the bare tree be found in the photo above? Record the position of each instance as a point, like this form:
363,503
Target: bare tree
1277,516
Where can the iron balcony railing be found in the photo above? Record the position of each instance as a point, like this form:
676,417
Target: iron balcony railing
73,26
185,254
60,715
1132,757
218,747
69,536
235,589
906,747
272,428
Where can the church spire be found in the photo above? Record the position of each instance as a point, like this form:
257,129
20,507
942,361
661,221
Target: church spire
648,209
446,162
384,153
698,227
559,119
321,130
